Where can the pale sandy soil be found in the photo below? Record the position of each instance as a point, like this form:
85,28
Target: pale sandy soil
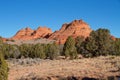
93,67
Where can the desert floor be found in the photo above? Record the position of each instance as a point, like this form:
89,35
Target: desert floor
100,67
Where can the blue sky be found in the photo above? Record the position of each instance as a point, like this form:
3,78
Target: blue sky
18,14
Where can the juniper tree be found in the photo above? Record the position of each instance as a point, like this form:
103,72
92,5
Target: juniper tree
69,49
79,40
53,51
38,51
25,50
98,43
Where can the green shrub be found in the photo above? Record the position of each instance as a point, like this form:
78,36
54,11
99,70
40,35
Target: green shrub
116,47
10,51
38,51
53,51
98,43
25,50
3,68
79,40
69,49
32,51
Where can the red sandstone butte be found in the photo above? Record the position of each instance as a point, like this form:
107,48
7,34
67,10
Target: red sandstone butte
75,28
28,34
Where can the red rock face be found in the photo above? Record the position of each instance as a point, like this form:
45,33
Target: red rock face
28,34
23,34
42,32
75,28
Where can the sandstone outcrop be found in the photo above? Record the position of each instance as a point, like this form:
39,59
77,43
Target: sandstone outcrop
28,34
75,28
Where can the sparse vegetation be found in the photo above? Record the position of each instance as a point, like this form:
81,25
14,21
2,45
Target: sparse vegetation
98,67
99,43
41,51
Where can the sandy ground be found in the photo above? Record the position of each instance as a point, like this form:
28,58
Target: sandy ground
100,67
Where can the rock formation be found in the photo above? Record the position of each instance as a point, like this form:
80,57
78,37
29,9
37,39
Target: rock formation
75,28
28,34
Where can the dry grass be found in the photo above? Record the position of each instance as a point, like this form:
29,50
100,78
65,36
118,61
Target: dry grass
36,41
100,67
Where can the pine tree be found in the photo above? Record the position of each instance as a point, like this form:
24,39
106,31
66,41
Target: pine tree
69,49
